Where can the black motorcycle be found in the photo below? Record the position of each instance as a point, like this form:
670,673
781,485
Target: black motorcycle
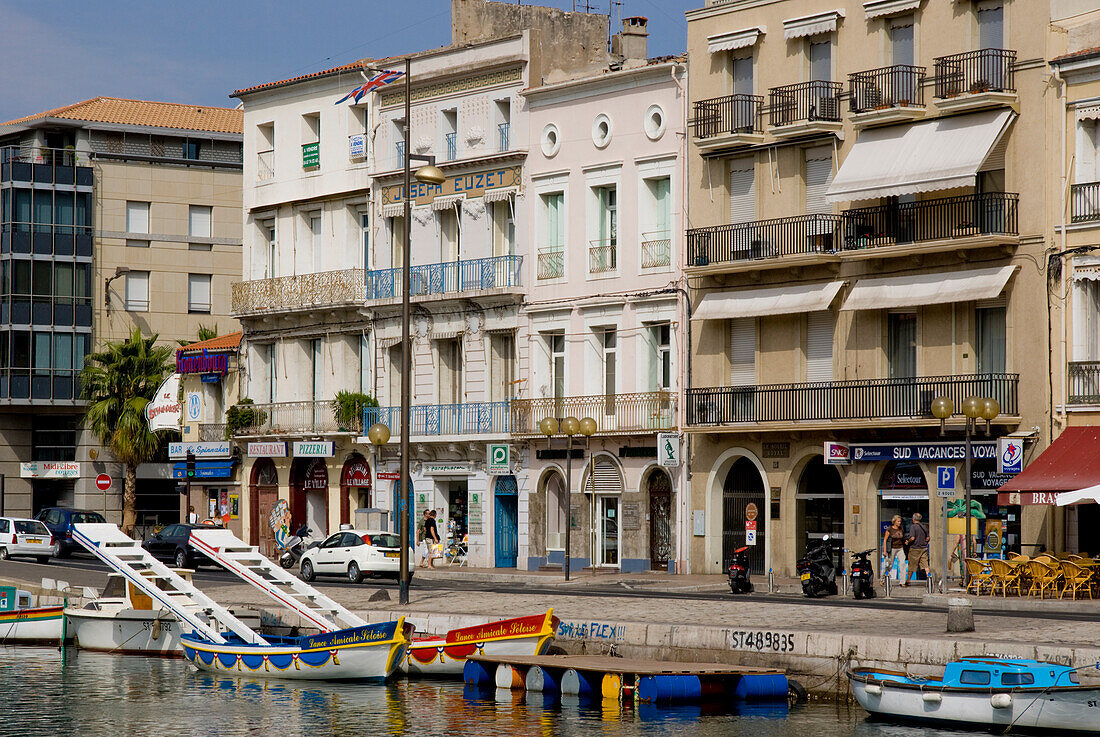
296,547
817,569
739,572
863,575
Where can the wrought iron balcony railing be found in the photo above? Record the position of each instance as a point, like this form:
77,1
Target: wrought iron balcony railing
1084,382
603,256
293,418
804,102
656,249
551,263
356,286
614,413
984,70
265,166
469,418
212,432
725,116
1085,202
762,239
897,86
851,400
451,141
504,139
986,213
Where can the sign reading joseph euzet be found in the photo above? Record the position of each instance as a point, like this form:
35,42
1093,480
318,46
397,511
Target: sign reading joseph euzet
471,185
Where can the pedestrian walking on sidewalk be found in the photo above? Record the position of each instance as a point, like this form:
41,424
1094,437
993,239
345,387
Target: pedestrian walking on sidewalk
422,550
918,548
431,537
893,547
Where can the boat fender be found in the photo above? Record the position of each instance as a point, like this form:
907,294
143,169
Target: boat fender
873,689
932,697
1001,701
156,629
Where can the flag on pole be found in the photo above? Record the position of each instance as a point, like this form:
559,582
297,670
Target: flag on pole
378,81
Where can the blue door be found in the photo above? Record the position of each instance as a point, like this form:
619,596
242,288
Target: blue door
397,502
507,521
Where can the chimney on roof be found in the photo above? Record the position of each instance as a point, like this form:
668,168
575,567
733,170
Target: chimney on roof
631,44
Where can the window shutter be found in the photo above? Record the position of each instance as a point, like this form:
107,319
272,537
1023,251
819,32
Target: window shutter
743,352
605,477
819,346
742,191
137,217
198,292
199,221
819,174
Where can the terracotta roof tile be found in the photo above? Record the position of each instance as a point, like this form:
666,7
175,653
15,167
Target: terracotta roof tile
153,114
1094,51
353,66
221,343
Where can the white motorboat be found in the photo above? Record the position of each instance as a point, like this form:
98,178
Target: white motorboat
985,692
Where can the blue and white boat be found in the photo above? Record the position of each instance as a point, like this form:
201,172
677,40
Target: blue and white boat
985,692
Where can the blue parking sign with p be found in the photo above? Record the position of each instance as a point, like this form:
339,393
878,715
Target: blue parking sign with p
945,478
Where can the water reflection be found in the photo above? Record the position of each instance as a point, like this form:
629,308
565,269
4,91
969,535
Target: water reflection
79,692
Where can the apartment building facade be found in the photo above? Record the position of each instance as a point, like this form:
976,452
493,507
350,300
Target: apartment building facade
117,214
870,209
324,242
605,313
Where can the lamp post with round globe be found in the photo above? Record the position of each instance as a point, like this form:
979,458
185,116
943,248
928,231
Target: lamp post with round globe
570,426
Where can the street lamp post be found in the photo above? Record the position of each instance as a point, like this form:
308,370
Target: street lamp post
973,409
570,426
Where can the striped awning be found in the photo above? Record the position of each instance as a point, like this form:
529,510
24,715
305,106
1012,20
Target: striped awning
812,25
393,211
742,39
446,203
500,194
883,8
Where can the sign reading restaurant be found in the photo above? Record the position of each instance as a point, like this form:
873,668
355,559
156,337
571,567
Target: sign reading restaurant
471,185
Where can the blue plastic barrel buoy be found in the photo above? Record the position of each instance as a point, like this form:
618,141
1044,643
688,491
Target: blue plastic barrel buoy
541,680
762,687
669,689
475,674
576,683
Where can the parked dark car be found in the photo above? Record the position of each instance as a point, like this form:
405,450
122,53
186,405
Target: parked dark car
60,521
172,544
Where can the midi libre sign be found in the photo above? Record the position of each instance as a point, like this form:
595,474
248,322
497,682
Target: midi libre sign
471,185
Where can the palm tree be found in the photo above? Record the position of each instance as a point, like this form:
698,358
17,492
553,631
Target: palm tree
205,333
118,382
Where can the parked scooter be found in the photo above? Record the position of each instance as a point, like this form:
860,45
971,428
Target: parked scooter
296,547
739,572
863,575
817,569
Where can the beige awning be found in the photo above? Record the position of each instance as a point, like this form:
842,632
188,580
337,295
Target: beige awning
785,300
393,211
1087,112
941,287
742,39
500,194
883,8
812,25
446,203
946,153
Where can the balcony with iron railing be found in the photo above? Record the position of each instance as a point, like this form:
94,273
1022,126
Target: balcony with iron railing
850,402
292,418
727,122
1084,382
603,255
441,420
806,107
503,137
975,79
656,249
892,94
1085,202
265,165
42,165
615,414
210,432
399,155
946,223
450,141
551,262
356,287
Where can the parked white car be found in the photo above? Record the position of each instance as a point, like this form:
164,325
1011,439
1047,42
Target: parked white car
355,554
26,537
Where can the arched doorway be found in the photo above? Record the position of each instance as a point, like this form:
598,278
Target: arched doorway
355,486
604,481
554,486
743,500
309,494
263,493
819,504
659,486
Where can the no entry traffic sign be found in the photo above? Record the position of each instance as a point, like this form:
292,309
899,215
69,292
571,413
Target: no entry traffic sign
103,482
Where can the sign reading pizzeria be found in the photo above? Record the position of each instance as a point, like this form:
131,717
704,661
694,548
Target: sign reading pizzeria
471,185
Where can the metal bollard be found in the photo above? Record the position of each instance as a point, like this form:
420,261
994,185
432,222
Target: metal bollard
771,581
844,575
887,586
931,584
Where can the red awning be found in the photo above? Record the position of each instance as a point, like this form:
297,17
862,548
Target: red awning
1071,462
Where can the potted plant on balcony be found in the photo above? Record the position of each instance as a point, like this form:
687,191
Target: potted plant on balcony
980,85
347,410
243,415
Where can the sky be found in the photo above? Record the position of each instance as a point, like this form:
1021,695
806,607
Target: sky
57,52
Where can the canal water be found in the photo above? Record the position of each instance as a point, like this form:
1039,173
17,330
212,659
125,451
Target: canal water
45,693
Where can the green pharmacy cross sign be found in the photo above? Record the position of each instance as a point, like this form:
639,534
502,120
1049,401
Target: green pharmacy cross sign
311,155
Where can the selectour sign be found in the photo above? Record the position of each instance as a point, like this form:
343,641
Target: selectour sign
866,452
471,185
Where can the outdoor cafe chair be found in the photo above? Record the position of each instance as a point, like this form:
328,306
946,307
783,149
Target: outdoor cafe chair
1043,577
977,576
1076,578
1004,575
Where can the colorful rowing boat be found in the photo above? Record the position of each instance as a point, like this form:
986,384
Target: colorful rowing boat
446,655
24,623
